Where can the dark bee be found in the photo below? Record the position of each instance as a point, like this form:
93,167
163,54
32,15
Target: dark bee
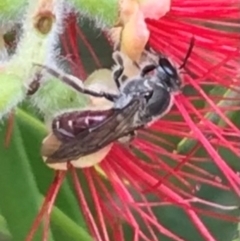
141,100
81,133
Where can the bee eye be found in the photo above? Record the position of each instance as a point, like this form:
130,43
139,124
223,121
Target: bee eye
167,67
148,95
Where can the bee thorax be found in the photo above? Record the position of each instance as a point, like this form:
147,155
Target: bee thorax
122,101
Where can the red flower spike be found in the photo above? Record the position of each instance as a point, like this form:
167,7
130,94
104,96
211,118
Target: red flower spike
174,178
232,177
47,206
84,206
139,174
77,65
98,205
168,35
127,198
89,47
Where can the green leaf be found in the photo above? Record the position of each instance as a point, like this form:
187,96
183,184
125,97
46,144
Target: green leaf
3,228
18,202
237,234
65,229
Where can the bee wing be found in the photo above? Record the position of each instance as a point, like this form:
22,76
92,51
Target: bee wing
119,124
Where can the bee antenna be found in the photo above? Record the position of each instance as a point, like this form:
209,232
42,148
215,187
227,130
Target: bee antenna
188,53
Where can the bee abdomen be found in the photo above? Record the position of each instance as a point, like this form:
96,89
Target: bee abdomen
68,125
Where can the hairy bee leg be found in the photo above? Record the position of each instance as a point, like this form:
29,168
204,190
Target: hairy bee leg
118,71
76,84
116,75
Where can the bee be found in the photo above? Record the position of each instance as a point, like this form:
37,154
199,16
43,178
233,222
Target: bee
140,101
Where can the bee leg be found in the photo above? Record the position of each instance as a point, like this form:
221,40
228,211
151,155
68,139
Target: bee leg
127,140
109,96
118,69
77,84
116,75
132,135
34,85
146,69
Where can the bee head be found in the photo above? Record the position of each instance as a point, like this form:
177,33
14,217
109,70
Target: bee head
168,75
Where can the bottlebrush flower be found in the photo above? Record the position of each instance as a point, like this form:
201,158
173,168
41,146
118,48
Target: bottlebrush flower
183,164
